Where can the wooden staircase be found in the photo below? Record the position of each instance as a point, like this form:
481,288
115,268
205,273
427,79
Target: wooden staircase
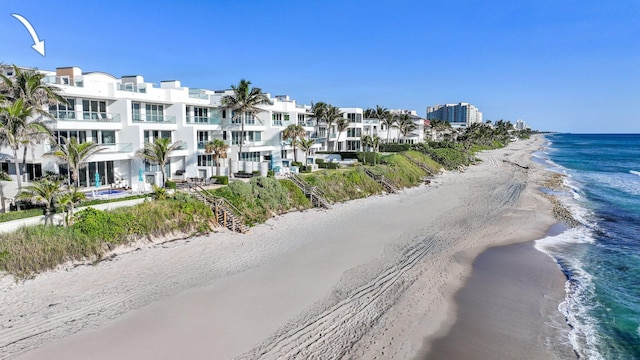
226,214
387,184
419,164
314,193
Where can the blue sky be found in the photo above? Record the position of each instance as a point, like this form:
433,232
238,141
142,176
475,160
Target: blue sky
570,66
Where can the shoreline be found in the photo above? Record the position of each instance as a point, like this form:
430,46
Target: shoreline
371,277
508,309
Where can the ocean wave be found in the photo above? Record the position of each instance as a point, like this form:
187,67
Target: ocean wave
626,183
579,288
634,172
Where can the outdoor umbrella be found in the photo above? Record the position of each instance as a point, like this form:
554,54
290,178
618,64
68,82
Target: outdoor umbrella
140,178
97,178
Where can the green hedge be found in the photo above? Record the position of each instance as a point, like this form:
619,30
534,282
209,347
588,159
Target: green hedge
394,147
222,180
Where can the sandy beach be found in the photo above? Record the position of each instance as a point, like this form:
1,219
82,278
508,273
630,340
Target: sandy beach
375,278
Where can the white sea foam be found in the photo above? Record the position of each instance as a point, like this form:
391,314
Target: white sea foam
634,172
626,183
584,337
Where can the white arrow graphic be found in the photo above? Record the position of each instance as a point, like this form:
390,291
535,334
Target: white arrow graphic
38,45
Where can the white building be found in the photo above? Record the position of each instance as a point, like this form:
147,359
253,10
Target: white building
520,125
458,115
122,114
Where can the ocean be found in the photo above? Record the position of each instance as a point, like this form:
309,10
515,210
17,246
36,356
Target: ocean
601,258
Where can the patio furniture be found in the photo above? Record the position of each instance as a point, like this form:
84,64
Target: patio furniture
97,196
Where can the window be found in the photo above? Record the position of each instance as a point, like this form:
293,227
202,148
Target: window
155,113
203,138
135,111
353,145
286,117
206,160
302,119
248,118
251,136
62,135
152,135
94,109
354,132
354,117
108,137
62,111
250,156
276,119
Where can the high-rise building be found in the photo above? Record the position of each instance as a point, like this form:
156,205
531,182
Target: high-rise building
458,115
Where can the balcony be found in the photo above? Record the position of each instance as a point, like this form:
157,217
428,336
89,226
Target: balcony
156,119
214,120
117,148
198,94
371,121
107,148
68,115
133,88
62,80
333,136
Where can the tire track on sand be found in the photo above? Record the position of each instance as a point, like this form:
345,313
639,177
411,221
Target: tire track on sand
332,333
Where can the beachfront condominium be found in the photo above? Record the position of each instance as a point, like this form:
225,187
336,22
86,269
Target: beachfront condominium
122,114
459,115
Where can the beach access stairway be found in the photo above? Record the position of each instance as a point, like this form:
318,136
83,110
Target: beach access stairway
387,184
226,214
315,194
419,164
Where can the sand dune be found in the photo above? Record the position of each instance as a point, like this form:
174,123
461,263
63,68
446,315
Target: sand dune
369,278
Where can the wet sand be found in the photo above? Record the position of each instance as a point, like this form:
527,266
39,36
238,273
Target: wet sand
508,309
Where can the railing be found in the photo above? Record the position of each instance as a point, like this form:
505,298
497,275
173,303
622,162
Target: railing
371,121
62,80
107,148
198,94
132,87
69,115
155,119
117,148
203,120
333,136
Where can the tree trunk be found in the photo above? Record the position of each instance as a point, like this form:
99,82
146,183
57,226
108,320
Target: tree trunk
24,164
295,153
241,138
17,165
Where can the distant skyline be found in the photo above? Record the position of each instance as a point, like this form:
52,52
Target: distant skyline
566,66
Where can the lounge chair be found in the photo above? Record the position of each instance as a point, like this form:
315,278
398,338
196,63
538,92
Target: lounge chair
134,189
97,196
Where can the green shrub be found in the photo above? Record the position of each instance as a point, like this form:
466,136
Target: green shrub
297,163
170,184
320,161
222,180
296,197
394,147
271,173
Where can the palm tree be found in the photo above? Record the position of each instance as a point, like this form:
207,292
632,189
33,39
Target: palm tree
366,143
13,127
218,148
332,115
293,133
381,113
438,126
44,192
342,124
158,153
369,113
244,101
75,155
68,200
306,145
375,144
28,85
406,125
319,112
389,121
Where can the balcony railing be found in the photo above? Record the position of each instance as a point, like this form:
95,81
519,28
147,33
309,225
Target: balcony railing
371,121
333,136
117,148
108,148
203,120
62,80
69,115
166,119
198,94
132,87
